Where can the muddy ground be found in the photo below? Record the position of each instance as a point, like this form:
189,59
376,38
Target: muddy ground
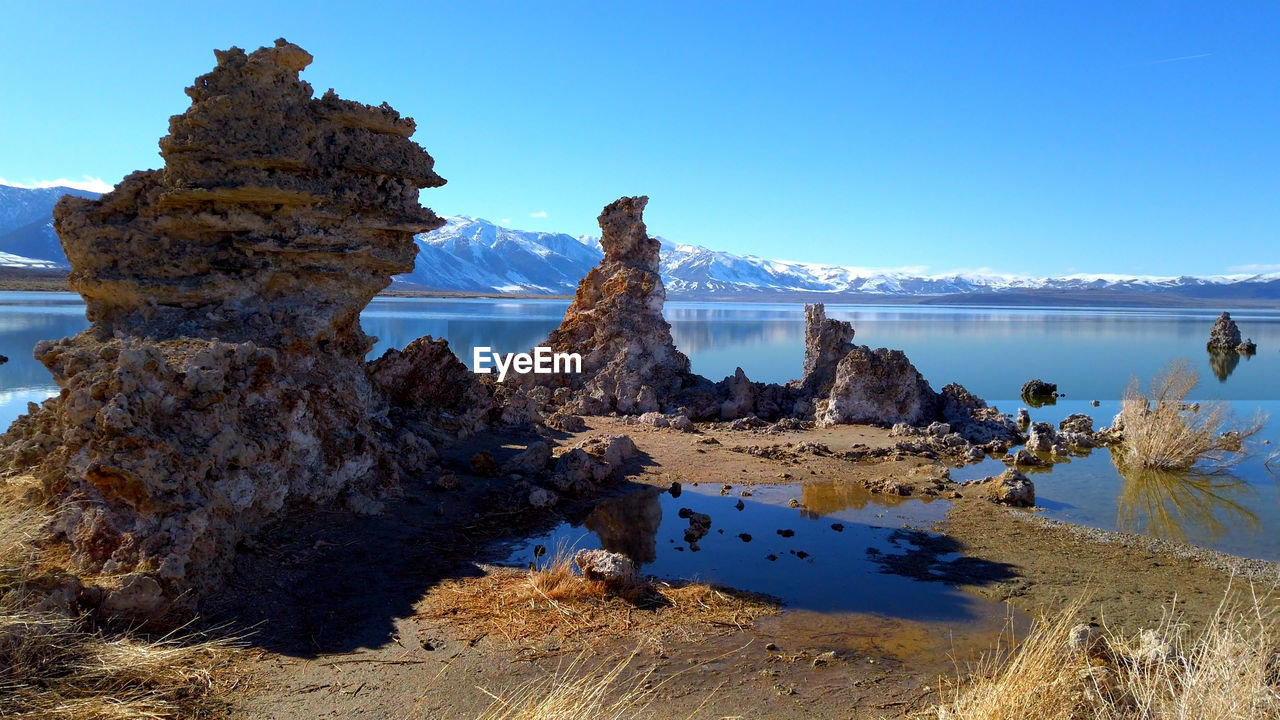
336,602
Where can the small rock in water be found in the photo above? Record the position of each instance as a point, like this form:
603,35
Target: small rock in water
1013,488
746,537
787,533
1039,389
793,503
483,464
771,557
674,489
838,527
740,505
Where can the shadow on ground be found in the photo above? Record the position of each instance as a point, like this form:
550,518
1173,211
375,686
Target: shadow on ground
330,581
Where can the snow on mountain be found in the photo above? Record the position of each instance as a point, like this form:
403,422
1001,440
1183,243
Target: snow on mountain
474,255
17,261
26,224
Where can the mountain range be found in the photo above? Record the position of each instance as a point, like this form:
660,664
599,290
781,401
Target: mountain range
472,255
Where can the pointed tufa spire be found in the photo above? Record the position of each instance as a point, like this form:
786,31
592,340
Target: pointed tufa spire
629,361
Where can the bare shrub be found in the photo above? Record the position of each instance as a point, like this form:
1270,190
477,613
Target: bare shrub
1162,431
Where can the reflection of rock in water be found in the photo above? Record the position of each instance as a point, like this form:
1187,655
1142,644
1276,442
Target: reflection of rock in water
629,524
1223,363
1171,504
827,498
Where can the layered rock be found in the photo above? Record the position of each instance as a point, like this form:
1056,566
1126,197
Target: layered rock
629,362
222,378
1225,335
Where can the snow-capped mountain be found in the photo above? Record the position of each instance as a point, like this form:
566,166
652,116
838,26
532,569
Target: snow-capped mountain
26,225
475,255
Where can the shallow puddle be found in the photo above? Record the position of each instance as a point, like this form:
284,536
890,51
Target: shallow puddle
855,572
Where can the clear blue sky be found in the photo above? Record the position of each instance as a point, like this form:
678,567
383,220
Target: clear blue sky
1031,137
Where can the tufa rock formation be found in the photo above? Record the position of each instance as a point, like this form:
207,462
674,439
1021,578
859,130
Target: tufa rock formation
223,378
877,386
629,362
1225,335
826,342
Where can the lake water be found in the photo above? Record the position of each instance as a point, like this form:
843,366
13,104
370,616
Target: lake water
1090,353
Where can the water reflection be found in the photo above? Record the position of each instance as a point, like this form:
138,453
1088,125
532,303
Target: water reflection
1171,505
1223,363
832,497
629,524
812,558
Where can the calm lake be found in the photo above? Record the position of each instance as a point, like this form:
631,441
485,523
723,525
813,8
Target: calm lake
1090,353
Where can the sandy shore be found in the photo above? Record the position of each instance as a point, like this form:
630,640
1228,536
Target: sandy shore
344,632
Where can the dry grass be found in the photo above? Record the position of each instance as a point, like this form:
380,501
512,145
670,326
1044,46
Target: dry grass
522,606
1229,669
577,691
56,666
1162,432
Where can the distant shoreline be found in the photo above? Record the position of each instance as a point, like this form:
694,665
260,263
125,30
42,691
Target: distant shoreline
20,280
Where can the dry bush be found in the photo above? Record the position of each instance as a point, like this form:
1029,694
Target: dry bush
523,605
58,667
1229,669
1162,431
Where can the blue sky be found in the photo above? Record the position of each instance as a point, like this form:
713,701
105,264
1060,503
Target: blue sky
1043,138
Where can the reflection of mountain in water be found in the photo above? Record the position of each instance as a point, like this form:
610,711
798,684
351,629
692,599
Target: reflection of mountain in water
1173,505
629,524
1223,363
701,334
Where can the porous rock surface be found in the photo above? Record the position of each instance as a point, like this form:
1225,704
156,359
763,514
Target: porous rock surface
826,342
630,364
428,380
222,377
877,386
1225,335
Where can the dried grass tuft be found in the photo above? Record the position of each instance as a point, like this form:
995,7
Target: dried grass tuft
521,606
577,691
1229,669
54,666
